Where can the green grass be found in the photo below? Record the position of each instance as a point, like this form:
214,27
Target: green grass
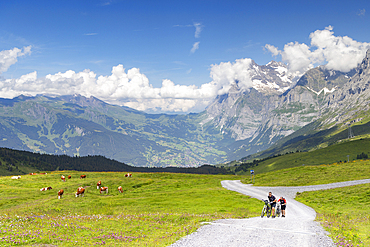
329,155
156,209
312,175
344,212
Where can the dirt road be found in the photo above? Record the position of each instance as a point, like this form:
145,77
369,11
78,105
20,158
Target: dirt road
298,228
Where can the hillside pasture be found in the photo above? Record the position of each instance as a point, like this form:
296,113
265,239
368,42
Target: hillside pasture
312,175
155,209
337,153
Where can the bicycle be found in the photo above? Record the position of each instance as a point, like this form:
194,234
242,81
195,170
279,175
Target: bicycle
266,209
278,209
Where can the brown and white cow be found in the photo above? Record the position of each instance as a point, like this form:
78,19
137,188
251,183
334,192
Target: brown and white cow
32,173
16,177
60,193
69,176
63,178
80,191
46,188
104,189
120,190
83,176
98,184
128,175
43,173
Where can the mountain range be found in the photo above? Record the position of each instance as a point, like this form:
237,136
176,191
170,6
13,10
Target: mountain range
277,113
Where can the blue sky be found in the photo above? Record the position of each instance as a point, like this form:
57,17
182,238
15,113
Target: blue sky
170,42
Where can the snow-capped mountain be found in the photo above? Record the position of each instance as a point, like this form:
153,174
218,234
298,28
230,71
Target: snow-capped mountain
272,78
275,106
343,113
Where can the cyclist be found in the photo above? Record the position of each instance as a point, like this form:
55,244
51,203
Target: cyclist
272,201
283,205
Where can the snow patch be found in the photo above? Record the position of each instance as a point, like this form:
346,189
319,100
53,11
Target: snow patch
256,68
325,89
259,85
281,70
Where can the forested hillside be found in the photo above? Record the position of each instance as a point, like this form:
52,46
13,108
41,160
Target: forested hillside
15,162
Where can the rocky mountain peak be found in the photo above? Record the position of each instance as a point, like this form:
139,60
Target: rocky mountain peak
276,106
363,72
272,78
275,64
352,98
364,67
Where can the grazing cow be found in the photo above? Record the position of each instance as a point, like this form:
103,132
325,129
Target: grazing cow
63,178
46,188
80,191
83,176
60,193
120,189
16,177
128,175
98,184
43,173
32,173
104,189
69,176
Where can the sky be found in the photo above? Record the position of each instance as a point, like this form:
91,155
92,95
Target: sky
169,56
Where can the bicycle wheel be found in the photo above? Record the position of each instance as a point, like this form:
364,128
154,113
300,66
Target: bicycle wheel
268,212
278,212
263,212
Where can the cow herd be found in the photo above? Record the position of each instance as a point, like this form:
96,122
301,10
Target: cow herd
81,190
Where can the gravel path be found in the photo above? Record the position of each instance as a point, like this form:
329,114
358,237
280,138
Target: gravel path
298,228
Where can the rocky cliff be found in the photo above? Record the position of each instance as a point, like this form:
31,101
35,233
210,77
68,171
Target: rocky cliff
264,113
348,104
339,113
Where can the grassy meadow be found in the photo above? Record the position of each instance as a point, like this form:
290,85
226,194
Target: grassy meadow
344,212
313,175
156,209
336,153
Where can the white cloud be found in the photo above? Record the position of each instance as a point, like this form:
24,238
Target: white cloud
275,51
361,12
106,3
132,88
195,47
198,29
338,53
224,75
10,57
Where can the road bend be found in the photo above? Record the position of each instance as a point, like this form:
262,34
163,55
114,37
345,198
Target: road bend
298,228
